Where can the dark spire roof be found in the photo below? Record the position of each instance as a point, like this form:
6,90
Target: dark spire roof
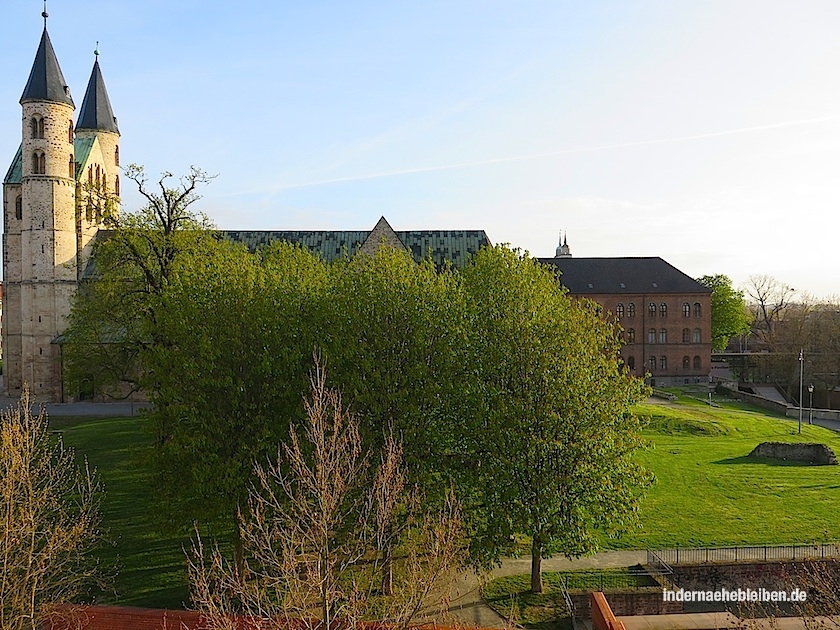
46,83
96,112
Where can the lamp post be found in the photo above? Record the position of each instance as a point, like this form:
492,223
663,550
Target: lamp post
811,403
801,370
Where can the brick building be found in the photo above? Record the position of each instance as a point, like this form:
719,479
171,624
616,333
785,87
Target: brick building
665,314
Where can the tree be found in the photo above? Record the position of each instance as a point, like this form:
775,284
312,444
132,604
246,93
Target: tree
115,310
237,331
316,518
729,317
49,510
553,431
770,297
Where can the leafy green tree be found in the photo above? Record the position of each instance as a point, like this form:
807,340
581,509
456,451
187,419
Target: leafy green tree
114,316
729,315
552,430
394,326
239,331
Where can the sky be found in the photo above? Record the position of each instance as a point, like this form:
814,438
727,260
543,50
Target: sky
704,132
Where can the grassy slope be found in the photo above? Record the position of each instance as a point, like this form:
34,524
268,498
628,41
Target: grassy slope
708,493
150,560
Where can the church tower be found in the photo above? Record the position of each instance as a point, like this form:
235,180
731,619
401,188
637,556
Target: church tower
50,218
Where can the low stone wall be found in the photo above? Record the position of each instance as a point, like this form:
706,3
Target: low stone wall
643,601
773,576
810,453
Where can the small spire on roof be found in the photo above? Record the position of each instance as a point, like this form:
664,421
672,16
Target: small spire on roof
44,14
96,51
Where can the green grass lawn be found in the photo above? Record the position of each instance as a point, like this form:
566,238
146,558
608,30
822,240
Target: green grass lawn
150,562
709,493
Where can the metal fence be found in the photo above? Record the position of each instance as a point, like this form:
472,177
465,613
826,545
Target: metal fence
599,580
764,553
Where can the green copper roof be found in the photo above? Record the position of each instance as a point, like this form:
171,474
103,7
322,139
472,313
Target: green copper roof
454,246
81,151
15,173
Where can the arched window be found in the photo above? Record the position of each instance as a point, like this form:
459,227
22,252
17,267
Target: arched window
652,309
70,134
631,310
117,156
33,127
697,309
652,335
90,175
619,310
686,309
652,362
631,363
686,335
631,335
71,170
663,363
19,207
663,310
97,175
39,163
663,336
696,336
117,185
686,363
41,128
697,364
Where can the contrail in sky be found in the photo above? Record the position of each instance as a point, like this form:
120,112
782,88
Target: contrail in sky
535,156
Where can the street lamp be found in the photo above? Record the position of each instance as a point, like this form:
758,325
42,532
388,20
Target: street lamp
810,403
801,369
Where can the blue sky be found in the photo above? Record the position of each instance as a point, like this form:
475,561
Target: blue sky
707,133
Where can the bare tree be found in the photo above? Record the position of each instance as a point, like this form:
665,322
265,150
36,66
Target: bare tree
49,509
770,297
317,522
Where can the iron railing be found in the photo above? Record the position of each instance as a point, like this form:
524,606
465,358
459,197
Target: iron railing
758,553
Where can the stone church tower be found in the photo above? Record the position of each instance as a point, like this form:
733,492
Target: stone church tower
62,182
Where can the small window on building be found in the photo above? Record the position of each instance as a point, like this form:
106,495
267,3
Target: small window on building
42,163
663,310
117,156
631,310
631,335
663,363
686,363
696,336
652,363
90,175
652,309
663,336
652,335
631,362
39,163
697,364
686,309
686,335
41,128
98,175
33,127
697,309
619,310
70,134
71,169
19,207
117,185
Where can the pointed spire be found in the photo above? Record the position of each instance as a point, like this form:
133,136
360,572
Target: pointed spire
96,113
46,82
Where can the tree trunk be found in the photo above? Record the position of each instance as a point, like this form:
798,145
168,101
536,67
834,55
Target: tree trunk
387,570
239,553
536,560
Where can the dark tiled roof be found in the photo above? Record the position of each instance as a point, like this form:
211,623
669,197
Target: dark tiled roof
15,173
96,112
623,275
444,245
46,82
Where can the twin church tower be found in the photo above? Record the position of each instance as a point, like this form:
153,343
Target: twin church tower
53,207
